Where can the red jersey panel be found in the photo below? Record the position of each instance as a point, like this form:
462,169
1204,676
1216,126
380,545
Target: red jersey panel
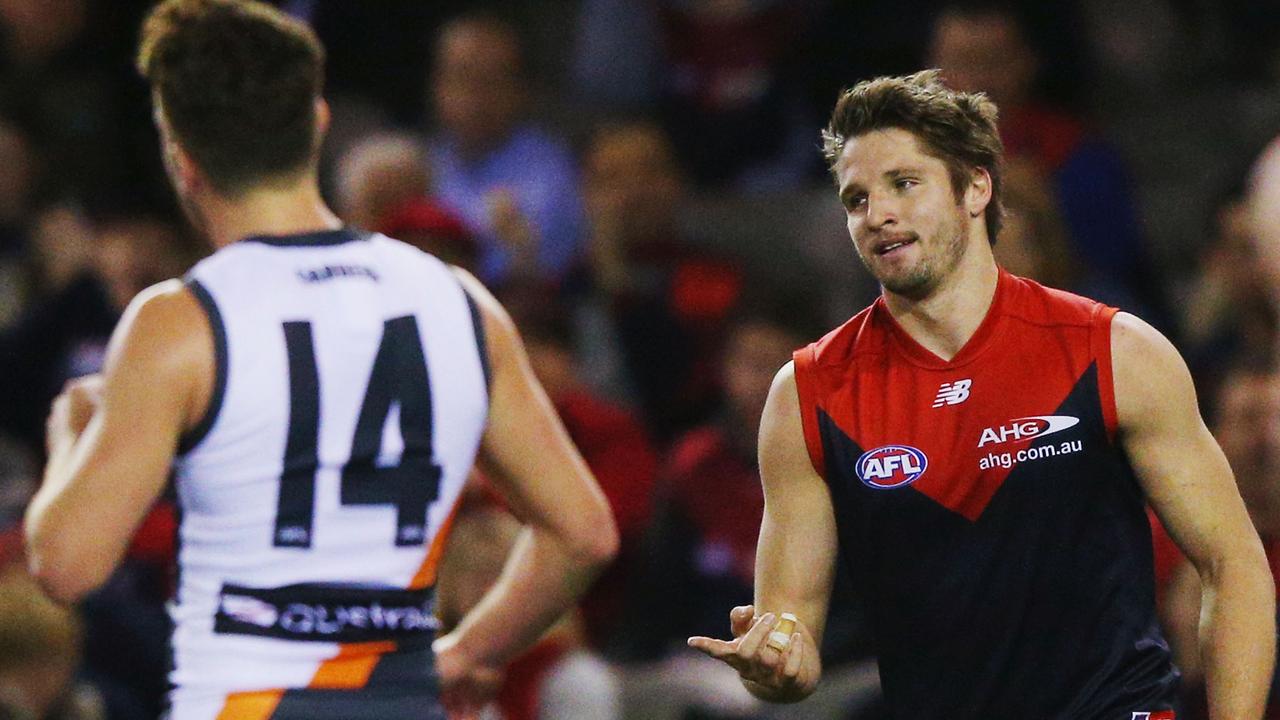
987,511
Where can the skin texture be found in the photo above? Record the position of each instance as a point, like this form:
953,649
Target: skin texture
112,440
939,286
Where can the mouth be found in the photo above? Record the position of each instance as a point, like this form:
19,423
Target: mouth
888,245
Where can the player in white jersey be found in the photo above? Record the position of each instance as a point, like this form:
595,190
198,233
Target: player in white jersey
320,394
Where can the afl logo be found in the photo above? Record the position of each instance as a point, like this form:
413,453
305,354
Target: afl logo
891,466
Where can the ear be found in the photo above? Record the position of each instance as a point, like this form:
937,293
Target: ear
185,169
323,117
978,195
182,169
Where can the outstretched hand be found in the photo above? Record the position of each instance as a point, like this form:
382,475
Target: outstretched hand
782,675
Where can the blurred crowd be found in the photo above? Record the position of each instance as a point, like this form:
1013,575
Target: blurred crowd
639,181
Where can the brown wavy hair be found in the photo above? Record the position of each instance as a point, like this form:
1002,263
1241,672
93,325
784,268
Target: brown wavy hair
237,81
957,128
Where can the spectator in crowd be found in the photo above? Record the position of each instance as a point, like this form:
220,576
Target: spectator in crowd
611,439
1227,317
90,275
1263,216
55,80
652,303
383,184
701,547
723,74
17,190
377,174
704,546
511,180
94,270
1247,425
984,46
1034,242
426,225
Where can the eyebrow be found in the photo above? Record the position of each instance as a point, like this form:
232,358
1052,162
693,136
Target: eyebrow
900,172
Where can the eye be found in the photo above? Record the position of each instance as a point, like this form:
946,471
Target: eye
905,183
855,202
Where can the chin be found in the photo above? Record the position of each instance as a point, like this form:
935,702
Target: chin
914,286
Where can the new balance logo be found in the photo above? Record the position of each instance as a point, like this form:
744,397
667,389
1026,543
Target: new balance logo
953,393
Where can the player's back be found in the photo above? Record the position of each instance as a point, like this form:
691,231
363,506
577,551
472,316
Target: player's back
349,401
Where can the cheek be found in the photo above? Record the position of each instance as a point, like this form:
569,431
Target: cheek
855,226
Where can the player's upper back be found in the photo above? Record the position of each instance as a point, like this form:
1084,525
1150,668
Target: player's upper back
349,401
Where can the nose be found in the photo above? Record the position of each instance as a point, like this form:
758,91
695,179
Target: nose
881,211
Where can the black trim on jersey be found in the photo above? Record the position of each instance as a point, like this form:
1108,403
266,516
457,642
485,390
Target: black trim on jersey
314,239
195,435
482,343
171,648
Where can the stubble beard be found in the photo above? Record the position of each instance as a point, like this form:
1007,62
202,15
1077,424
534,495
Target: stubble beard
921,279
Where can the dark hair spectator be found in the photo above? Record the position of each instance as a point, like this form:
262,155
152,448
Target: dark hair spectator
512,181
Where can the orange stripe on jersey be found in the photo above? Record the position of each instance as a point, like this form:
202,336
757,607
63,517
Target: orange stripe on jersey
250,705
351,667
426,575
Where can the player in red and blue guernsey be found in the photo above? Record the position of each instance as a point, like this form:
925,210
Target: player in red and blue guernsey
979,450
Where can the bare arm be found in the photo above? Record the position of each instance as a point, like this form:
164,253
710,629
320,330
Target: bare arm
1189,484
569,532
795,561
111,441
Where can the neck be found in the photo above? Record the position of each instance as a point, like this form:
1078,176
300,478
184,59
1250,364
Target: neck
943,320
270,210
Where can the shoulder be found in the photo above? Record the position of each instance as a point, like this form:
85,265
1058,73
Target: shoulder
1133,339
165,329
1034,303
168,308
1151,378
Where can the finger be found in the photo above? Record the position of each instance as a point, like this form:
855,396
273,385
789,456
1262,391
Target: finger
780,638
749,645
58,412
718,649
795,657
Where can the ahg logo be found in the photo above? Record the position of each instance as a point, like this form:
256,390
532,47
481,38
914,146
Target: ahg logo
1027,428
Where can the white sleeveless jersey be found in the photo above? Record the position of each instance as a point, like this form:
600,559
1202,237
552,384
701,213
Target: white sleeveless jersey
349,402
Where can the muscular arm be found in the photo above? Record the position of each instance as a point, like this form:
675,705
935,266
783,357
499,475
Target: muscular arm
569,532
1188,482
100,482
795,561
796,555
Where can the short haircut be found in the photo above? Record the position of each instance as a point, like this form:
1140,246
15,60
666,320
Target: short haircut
237,81
957,128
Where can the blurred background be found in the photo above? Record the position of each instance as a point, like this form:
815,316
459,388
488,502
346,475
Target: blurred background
640,182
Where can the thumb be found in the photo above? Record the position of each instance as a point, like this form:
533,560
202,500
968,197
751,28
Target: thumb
741,619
